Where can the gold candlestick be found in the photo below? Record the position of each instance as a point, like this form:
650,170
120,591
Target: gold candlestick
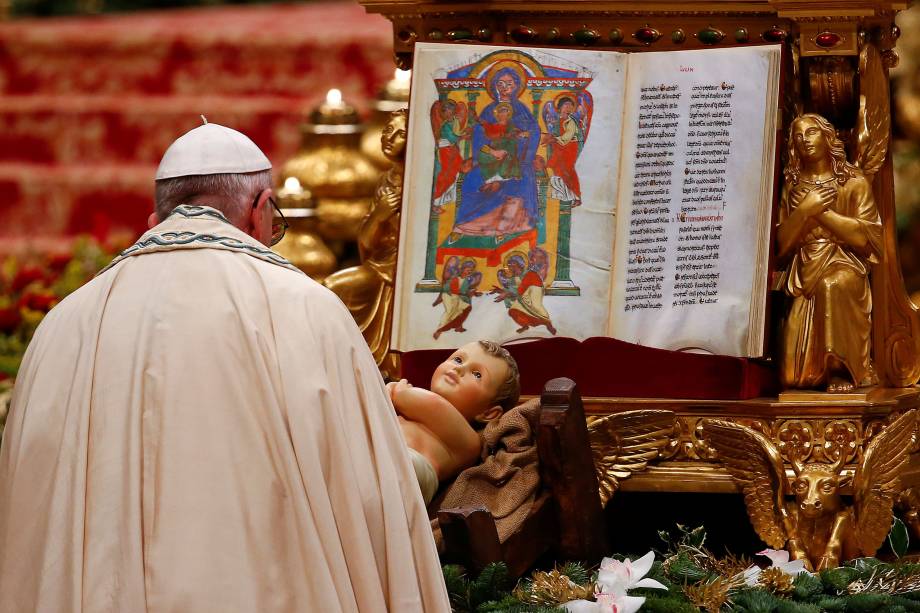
331,165
302,245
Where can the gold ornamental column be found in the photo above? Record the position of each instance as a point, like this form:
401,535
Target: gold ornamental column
340,177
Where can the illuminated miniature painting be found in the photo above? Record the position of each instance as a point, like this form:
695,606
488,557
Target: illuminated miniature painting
508,132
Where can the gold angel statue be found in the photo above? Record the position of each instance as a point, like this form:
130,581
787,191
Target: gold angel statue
829,232
815,525
367,289
624,443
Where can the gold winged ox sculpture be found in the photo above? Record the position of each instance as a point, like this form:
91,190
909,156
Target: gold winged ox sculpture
809,516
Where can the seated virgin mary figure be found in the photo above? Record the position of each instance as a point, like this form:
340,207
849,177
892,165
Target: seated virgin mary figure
498,196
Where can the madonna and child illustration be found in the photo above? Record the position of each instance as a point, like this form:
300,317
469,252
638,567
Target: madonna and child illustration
506,134
580,193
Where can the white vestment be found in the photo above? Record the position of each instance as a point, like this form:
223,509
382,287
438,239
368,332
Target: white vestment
202,429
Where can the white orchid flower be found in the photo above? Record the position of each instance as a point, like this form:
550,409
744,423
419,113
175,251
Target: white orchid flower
606,603
617,577
779,558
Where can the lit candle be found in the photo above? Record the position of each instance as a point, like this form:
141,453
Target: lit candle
334,98
402,76
292,184
292,197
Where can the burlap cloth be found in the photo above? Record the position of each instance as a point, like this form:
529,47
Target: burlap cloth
507,480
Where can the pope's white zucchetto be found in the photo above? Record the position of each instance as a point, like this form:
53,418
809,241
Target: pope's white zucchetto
209,150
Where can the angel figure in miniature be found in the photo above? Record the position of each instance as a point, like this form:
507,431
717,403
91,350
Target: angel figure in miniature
448,120
459,283
829,232
567,122
523,289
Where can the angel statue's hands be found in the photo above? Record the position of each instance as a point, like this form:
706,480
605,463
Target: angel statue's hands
817,201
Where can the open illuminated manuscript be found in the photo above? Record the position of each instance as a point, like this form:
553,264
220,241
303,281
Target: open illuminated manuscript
588,193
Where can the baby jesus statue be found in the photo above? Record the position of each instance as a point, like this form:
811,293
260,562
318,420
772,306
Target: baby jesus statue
476,384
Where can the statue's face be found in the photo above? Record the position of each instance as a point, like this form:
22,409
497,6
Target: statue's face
393,141
817,491
810,142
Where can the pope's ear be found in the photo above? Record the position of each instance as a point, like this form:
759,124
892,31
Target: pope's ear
490,414
152,220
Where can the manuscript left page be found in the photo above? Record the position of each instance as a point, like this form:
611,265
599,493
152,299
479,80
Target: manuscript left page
509,204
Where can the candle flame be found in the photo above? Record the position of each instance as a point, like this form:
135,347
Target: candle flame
334,97
292,184
402,76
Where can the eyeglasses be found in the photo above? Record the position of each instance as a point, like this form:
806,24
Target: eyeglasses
279,223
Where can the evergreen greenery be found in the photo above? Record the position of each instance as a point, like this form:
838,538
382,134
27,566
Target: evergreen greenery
699,581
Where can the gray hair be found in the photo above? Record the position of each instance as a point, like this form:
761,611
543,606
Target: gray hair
231,194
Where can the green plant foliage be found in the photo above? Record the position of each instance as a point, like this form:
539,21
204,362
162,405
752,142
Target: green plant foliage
755,601
839,578
683,569
457,585
510,604
577,572
865,603
490,584
898,538
789,606
667,605
806,587
909,604
866,585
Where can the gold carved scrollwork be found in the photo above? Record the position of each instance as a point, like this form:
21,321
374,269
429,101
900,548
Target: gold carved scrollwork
840,439
818,440
796,440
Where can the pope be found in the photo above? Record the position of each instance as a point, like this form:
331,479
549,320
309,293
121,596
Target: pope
203,428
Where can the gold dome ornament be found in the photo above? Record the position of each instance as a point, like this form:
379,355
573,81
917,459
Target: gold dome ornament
393,97
302,245
332,167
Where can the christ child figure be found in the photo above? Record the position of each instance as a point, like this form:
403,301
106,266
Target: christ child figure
476,384
499,160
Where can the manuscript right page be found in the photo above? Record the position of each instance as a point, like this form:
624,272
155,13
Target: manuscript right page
696,191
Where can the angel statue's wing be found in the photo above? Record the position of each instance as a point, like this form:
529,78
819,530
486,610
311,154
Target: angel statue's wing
624,443
756,465
875,485
873,122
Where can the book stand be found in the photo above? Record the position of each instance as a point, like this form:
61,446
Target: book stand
839,53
